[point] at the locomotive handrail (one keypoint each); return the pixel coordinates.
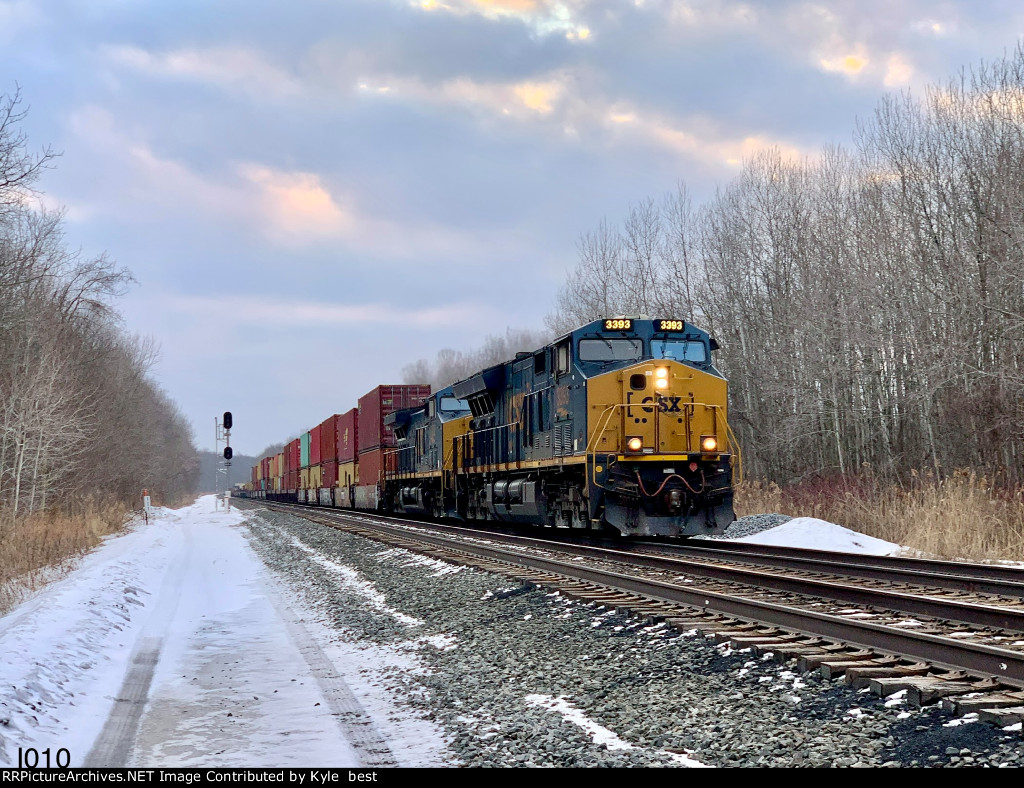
(508, 427)
(606, 415)
(603, 420)
(734, 444)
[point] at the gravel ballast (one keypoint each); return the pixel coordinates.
(521, 676)
(750, 525)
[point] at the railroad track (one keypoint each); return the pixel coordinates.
(837, 613)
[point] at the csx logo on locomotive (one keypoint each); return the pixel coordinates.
(665, 404)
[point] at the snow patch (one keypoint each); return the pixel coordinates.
(814, 534)
(405, 558)
(352, 581)
(598, 733)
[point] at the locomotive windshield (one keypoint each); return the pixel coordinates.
(451, 404)
(611, 349)
(680, 349)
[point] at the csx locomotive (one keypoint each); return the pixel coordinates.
(620, 423)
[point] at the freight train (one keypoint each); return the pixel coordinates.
(620, 424)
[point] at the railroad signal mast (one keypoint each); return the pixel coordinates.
(222, 434)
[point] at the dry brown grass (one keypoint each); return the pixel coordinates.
(35, 549)
(961, 516)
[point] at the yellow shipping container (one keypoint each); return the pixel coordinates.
(304, 478)
(315, 475)
(347, 474)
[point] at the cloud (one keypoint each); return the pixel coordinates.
(538, 96)
(230, 67)
(713, 14)
(290, 208)
(544, 17)
(297, 203)
(523, 100)
(898, 72)
(935, 27)
(702, 140)
(287, 206)
(851, 63)
(17, 16)
(257, 310)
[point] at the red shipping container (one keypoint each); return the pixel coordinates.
(370, 467)
(373, 407)
(314, 445)
(329, 440)
(294, 452)
(328, 473)
(348, 437)
(373, 463)
(254, 479)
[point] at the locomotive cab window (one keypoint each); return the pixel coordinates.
(611, 349)
(562, 356)
(451, 405)
(680, 349)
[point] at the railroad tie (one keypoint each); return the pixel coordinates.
(784, 650)
(859, 677)
(753, 641)
(963, 704)
(807, 662)
(921, 690)
(1009, 715)
(831, 669)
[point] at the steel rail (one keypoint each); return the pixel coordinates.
(989, 661)
(950, 575)
(932, 565)
(932, 607)
(792, 558)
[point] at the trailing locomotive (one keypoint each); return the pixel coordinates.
(621, 423)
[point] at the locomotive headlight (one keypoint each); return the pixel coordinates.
(708, 443)
(661, 383)
(661, 373)
(634, 444)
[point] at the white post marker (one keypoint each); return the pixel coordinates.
(146, 505)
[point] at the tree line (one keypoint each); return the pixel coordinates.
(451, 365)
(79, 417)
(869, 302)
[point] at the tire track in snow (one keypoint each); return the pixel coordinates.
(114, 744)
(356, 725)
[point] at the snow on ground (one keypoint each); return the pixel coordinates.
(814, 534)
(236, 679)
(598, 733)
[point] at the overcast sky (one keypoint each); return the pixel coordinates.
(314, 193)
